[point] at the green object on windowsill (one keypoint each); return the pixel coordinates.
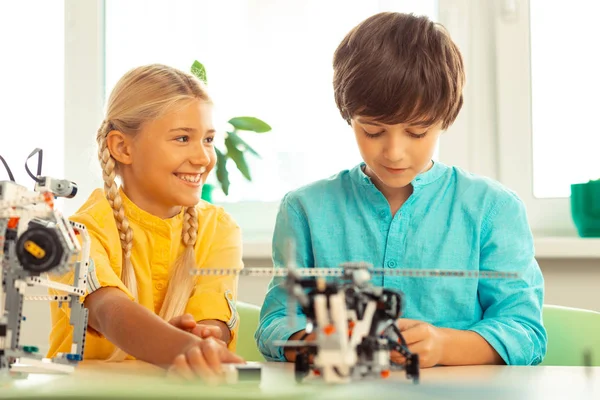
(207, 191)
(585, 208)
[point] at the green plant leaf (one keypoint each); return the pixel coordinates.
(241, 144)
(222, 174)
(238, 158)
(250, 124)
(199, 71)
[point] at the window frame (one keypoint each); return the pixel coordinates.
(547, 216)
(84, 88)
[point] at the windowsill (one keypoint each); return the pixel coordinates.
(546, 247)
(566, 247)
(257, 250)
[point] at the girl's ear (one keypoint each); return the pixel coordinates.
(119, 146)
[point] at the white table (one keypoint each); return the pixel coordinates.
(133, 379)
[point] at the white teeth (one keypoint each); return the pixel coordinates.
(202, 170)
(190, 178)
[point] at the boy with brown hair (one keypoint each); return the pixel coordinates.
(398, 82)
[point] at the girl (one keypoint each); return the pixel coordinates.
(151, 231)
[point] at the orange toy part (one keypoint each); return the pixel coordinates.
(49, 199)
(329, 329)
(13, 222)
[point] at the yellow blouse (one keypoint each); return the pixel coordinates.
(156, 245)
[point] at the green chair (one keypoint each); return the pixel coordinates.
(246, 345)
(572, 333)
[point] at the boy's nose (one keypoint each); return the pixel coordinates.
(395, 150)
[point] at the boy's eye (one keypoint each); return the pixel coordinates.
(183, 139)
(372, 134)
(417, 135)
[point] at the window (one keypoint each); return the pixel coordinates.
(272, 59)
(32, 82)
(547, 92)
(268, 59)
(264, 58)
(564, 95)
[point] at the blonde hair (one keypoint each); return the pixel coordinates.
(143, 94)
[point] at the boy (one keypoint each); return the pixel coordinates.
(398, 82)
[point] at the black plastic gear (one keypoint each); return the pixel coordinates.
(48, 240)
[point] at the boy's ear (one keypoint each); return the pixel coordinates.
(119, 146)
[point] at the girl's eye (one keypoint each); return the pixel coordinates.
(183, 139)
(209, 139)
(417, 135)
(373, 135)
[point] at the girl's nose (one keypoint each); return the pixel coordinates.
(200, 155)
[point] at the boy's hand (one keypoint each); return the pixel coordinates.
(423, 339)
(187, 323)
(290, 353)
(203, 359)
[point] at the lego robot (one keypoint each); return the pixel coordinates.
(36, 240)
(354, 320)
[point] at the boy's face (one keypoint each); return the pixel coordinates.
(171, 158)
(395, 154)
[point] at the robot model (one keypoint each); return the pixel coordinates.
(36, 240)
(354, 320)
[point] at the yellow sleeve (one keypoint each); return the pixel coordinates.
(214, 297)
(106, 255)
(105, 263)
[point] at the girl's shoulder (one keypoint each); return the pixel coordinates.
(95, 211)
(213, 214)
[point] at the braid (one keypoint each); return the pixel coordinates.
(181, 282)
(116, 202)
(190, 226)
(107, 162)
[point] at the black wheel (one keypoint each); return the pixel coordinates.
(39, 249)
(301, 366)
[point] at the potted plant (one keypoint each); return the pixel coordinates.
(235, 147)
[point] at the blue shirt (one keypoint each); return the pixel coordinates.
(453, 220)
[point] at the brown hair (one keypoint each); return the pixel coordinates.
(399, 68)
(141, 95)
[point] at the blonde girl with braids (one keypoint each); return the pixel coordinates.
(152, 230)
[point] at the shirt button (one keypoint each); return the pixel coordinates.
(391, 264)
(159, 286)
(382, 214)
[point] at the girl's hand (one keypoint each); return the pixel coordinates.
(187, 323)
(423, 339)
(203, 359)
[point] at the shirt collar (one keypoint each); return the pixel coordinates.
(436, 171)
(144, 218)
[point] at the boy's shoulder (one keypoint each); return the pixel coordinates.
(328, 189)
(483, 192)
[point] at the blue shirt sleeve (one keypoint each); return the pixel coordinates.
(275, 321)
(512, 308)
